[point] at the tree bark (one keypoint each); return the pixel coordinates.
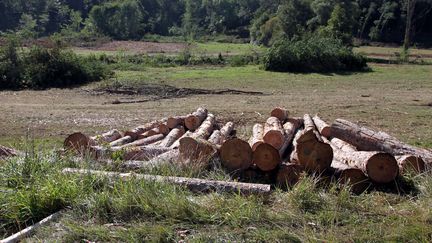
(173, 136)
(193, 184)
(194, 120)
(369, 140)
(236, 154)
(351, 176)
(257, 136)
(280, 113)
(409, 15)
(274, 133)
(122, 141)
(143, 152)
(162, 128)
(266, 157)
(107, 137)
(176, 144)
(290, 129)
(322, 127)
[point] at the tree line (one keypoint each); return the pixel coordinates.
(260, 21)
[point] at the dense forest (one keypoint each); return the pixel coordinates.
(260, 21)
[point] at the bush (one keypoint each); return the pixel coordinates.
(61, 68)
(42, 68)
(313, 54)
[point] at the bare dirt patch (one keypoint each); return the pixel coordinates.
(141, 47)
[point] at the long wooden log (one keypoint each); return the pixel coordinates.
(236, 154)
(176, 144)
(206, 128)
(122, 141)
(369, 140)
(411, 164)
(17, 237)
(352, 176)
(144, 128)
(274, 133)
(290, 129)
(266, 157)
(143, 152)
(196, 152)
(193, 184)
(310, 151)
(280, 113)
(322, 127)
(160, 129)
(257, 136)
(219, 136)
(107, 137)
(176, 121)
(194, 120)
(175, 134)
(167, 158)
(288, 175)
(144, 141)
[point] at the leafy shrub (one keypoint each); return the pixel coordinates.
(11, 65)
(313, 54)
(61, 68)
(44, 68)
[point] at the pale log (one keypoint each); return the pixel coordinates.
(216, 138)
(144, 141)
(219, 136)
(143, 152)
(290, 128)
(193, 184)
(227, 129)
(257, 136)
(266, 157)
(369, 140)
(176, 144)
(107, 137)
(274, 133)
(122, 141)
(167, 158)
(173, 136)
(342, 145)
(162, 128)
(142, 129)
(236, 154)
(280, 113)
(194, 120)
(206, 128)
(176, 121)
(322, 127)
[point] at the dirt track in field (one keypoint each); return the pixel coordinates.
(141, 47)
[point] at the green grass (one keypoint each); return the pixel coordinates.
(134, 210)
(227, 48)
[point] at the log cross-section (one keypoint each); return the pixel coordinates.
(274, 133)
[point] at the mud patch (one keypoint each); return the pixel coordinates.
(155, 92)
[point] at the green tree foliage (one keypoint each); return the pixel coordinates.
(312, 54)
(121, 20)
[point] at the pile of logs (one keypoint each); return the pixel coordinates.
(284, 147)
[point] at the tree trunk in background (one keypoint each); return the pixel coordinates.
(409, 15)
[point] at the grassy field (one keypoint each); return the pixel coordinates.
(393, 98)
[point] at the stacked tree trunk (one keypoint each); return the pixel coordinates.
(281, 149)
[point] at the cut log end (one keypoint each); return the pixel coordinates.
(411, 164)
(275, 138)
(382, 168)
(288, 175)
(280, 113)
(356, 179)
(314, 155)
(78, 142)
(236, 154)
(266, 157)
